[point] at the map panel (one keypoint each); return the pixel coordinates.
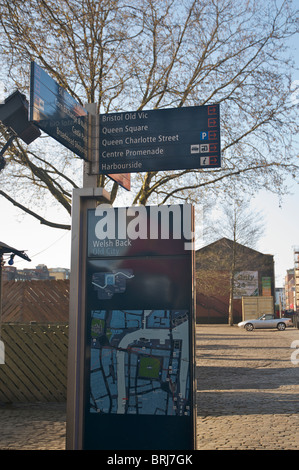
(140, 362)
(108, 284)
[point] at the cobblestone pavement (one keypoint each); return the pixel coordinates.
(248, 389)
(38, 426)
(248, 396)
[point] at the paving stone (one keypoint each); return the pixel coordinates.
(248, 380)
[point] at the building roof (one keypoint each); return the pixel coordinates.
(218, 256)
(224, 243)
(8, 249)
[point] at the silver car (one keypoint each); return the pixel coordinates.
(266, 321)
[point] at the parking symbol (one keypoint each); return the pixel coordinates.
(204, 135)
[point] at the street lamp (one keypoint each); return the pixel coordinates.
(6, 249)
(14, 115)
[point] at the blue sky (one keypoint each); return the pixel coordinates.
(281, 229)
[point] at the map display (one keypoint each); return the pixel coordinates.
(108, 284)
(140, 362)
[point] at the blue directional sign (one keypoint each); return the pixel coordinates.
(57, 113)
(164, 139)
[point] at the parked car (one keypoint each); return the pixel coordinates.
(266, 321)
(289, 314)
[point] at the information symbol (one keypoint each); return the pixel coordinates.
(204, 161)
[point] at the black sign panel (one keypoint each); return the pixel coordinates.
(139, 377)
(55, 112)
(166, 139)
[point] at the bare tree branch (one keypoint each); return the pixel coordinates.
(33, 214)
(126, 56)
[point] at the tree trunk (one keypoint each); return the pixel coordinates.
(232, 277)
(231, 302)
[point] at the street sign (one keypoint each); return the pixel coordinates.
(57, 113)
(164, 139)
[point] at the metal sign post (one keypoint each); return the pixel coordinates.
(83, 199)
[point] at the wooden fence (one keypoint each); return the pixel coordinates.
(40, 301)
(35, 368)
(34, 331)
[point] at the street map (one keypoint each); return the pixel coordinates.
(139, 360)
(108, 284)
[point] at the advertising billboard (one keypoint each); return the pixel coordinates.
(246, 284)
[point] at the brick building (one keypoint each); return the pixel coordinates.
(254, 276)
(289, 285)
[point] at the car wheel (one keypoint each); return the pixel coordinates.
(249, 327)
(281, 326)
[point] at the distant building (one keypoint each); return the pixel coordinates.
(40, 273)
(296, 273)
(279, 299)
(289, 286)
(59, 273)
(254, 276)
(9, 273)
